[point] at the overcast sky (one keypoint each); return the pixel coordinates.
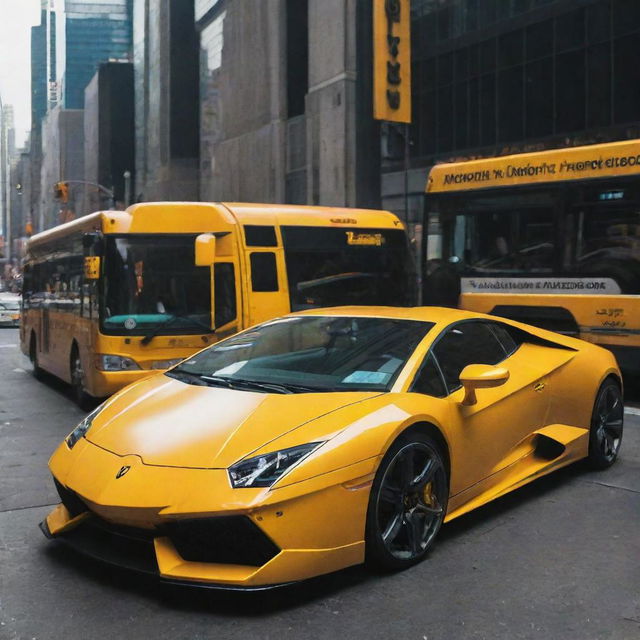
(15, 59)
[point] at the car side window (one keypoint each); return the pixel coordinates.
(463, 344)
(506, 338)
(428, 379)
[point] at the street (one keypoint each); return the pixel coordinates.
(557, 559)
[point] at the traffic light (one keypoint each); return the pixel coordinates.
(61, 191)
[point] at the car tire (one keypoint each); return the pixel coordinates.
(33, 357)
(605, 434)
(407, 503)
(82, 398)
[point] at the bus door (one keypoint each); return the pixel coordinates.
(265, 286)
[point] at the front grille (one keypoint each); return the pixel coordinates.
(121, 546)
(74, 504)
(223, 540)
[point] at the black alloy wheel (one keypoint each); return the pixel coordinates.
(607, 421)
(407, 504)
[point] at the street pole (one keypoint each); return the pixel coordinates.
(127, 188)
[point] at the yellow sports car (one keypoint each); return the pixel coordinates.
(328, 438)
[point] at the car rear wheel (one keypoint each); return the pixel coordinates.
(605, 435)
(407, 503)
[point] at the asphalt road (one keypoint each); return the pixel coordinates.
(557, 559)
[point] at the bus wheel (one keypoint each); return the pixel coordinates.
(83, 399)
(33, 356)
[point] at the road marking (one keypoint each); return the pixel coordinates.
(634, 411)
(8, 346)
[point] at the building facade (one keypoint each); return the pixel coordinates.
(290, 123)
(109, 136)
(63, 142)
(498, 77)
(166, 100)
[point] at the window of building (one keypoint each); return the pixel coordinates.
(297, 56)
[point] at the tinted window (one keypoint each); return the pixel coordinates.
(260, 236)
(464, 344)
(505, 337)
(225, 293)
(264, 276)
(429, 381)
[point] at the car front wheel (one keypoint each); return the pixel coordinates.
(407, 503)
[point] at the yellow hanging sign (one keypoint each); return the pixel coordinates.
(392, 60)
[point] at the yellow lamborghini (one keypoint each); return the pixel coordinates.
(328, 438)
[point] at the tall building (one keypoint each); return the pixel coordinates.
(63, 159)
(166, 56)
(109, 135)
(44, 91)
(7, 151)
(91, 32)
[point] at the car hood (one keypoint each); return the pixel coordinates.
(170, 423)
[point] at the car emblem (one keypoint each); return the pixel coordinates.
(122, 472)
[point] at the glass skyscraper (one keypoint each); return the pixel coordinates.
(93, 31)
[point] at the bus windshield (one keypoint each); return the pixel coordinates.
(151, 282)
(330, 267)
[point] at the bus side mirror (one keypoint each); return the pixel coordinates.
(481, 376)
(205, 250)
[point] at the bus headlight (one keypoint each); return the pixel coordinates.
(106, 362)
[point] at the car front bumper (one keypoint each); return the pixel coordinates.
(190, 526)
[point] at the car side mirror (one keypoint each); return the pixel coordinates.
(205, 250)
(481, 376)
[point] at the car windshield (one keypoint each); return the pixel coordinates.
(9, 305)
(152, 283)
(314, 353)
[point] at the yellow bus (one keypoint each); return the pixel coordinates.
(113, 296)
(549, 238)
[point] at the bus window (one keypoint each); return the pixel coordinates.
(264, 274)
(331, 267)
(505, 242)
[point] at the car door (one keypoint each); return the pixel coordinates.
(488, 433)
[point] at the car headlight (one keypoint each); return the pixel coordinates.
(82, 428)
(264, 470)
(106, 362)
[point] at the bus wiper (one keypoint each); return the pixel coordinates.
(308, 284)
(152, 334)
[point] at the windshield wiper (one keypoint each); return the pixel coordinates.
(152, 334)
(187, 377)
(240, 384)
(338, 277)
